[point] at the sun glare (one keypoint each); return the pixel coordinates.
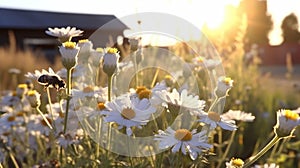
(213, 11)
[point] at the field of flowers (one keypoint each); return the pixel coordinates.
(98, 111)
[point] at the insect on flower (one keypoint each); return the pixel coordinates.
(51, 80)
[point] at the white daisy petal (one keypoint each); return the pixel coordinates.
(227, 125)
(176, 147)
(183, 140)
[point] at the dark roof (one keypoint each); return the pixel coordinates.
(30, 19)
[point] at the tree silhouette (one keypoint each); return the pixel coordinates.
(289, 28)
(259, 22)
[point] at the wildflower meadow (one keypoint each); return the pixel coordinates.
(188, 105)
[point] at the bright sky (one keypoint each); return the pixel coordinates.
(209, 11)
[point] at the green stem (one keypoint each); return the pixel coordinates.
(44, 118)
(137, 74)
(154, 121)
(13, 159)
(61, 154)
(129, 151)
(109, 80)
(154, 78)
(109, 125)
(69, 86)
(50, 106)
(227, 149)
(151, 157)
(262, 152)
(285, 140)
(214, 103)
(98, 138)
(160, 160)
(274, 150)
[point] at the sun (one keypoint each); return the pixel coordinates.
(213, 12)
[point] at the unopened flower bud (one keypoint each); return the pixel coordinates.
(110, 61)
(34, 98)
(134, 44)
(21, 90)
(85, 50)
(223, 86)
(69, 52)
(287, 121)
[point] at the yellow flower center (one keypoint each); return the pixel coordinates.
(168, 77)
(291, 115)
(139, 89)
(146, 93)
(31, 92)
(128, 113)
(214, 116)
(200, 59)
(22, 86)
(20, 113)
(83, 41)
(169, 80)
(227, 80)
(11, 118)
(183, 135)
(237, 162)
(112, 50)
(88, 89)
(99, 49)
(69, 45)
(101, 106)
(43, 122)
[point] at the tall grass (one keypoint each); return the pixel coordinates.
(23, 60)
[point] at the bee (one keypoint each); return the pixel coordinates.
(52, 80)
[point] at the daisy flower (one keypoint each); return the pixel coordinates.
(235, 163)
(37, 73)
(64, 34)
(34, 98)
(184, 140)
(214, 119)
(175, 100)
(110, 61)
(143, 92)
(223, 86)
(69, 52)
(238, 116)
(128, 112)
(21, 90)
(96, 56)
(86, 46)
(47, 78)
(287, 121)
